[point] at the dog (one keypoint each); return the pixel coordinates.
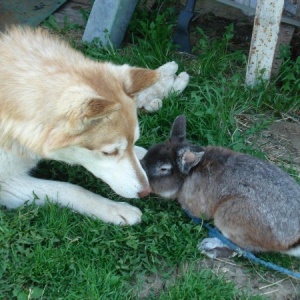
(57, 104)
(253, 203)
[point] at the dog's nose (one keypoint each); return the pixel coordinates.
(144, 193)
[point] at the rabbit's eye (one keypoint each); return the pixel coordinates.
(165, 169)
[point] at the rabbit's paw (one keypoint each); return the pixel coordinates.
(213, 248)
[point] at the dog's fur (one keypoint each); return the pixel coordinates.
(253, 203)
(57, 104)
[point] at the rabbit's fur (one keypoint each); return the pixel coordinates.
(253, 203)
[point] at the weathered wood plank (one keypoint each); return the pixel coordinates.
(264, 39)
(250, 11)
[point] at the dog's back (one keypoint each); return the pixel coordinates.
(41, 69)
(254, 204)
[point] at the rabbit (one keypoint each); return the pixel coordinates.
(253, 203)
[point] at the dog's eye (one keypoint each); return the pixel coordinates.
(111, 153)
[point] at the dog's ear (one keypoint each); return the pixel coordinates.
(92, 109)
(96, 108)
(188, 157)
(140, 79)
(178, 131)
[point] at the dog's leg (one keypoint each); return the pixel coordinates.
(17, 187)
(17, 190)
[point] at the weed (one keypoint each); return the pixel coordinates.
(52, 24)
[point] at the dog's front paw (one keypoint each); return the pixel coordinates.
(151, 98)
(122, 213)
(168, 69)
(213, 248)
(181, 82)
(153, 105)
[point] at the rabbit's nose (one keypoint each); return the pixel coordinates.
(144, 193)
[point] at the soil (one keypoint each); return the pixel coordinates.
(215, 27)
(280, 141)
(268, 285)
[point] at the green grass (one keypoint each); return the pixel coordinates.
(53, 253)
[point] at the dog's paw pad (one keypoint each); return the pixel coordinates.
(213, 248)
(168, 69)
(181, 82)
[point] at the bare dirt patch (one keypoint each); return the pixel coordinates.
(280, 141)
(269, 285)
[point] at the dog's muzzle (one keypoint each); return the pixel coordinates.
(144, 193)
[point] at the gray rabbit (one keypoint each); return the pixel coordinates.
(253, 203)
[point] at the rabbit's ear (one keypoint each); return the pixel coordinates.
(178, 131)
(188, 157)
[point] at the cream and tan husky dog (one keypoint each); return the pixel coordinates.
(57, 104)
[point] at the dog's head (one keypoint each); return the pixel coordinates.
(167, 164)
(98, 127)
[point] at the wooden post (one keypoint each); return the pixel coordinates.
(108, 21)
(264, 39)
